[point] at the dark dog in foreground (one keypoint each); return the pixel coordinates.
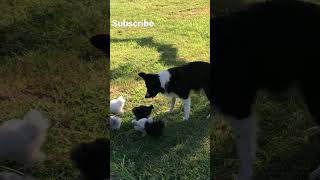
(268, 46)
(92, 159)
(178, 82)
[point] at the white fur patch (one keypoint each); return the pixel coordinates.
(164, 77)
(115, 122)
(116, 105)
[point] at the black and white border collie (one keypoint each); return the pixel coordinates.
(177, 82)
(268, 46)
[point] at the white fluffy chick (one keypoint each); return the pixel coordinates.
(115, 122)
(116, 105)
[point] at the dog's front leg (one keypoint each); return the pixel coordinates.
(245, 130)
(173, 103)
(186, 108)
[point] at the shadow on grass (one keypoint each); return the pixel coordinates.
(168, 53)
(166, 157)
(120, 71)
(44, 28)
(291, 165)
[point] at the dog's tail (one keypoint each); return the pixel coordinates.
(36, 119)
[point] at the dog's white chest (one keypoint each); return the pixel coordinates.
(164, 77)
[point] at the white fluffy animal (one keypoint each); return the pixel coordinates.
(116, 105)
(21, 140)
(139, 125)
(115, 122)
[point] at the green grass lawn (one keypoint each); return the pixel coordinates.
(47, 63)
(180, 35)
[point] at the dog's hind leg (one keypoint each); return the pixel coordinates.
(173, 103)
(245, 130)
(186, 108)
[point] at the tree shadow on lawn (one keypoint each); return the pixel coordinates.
(47, 28)
(168, 153)
(121, 71)
(168, 53)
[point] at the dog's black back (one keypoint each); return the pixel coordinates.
(192, 76)
(268, 46)
(183, 79)
(154, 129)
(92, 159)
(142, 111)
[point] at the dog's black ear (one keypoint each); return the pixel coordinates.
(151, 106)
(142, 74)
